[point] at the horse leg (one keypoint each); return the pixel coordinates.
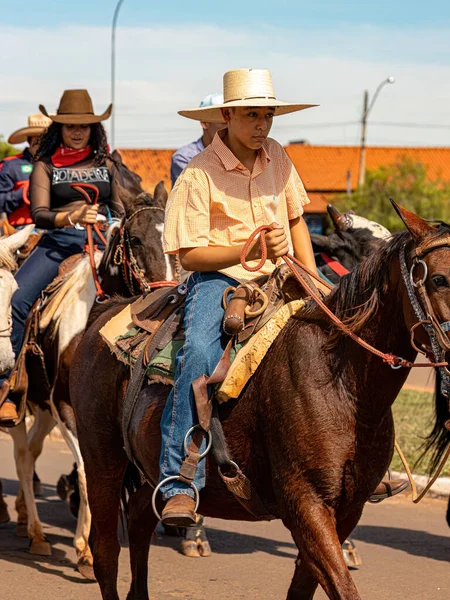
(320, 556)
(4, 514)
(81, 539)
(141, 525)
(104, 481)
(25, 466)
(43, 424)
(195, 542)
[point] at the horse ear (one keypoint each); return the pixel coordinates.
(160, 195)
(127, 200)
(338, 218)
(416, 226)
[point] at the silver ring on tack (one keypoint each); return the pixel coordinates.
(208, 447)
(173, 478)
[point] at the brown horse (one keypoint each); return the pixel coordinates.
(142, 225)
(313, 430)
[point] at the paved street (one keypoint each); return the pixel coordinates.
(405, 551)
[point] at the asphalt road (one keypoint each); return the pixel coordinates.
(405, 551)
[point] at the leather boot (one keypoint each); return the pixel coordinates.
(8, 411)
(179, 511)
(387, 489)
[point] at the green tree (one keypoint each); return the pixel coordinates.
(407, 183)
(6, 149)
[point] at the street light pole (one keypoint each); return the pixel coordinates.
(113, 70)
(367, 108)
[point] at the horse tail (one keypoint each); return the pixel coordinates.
(439, 438)
(131, 483)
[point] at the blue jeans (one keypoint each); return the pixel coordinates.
(202, 350)
(40, 269)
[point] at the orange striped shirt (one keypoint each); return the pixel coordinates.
(216, 201)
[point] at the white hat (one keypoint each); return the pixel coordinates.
(37, 124)
(244, 87)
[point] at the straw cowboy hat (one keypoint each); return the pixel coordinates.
(75, 108)
(244, 87)
(37, 124)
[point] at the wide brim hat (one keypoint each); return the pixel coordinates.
(37, 124)
(244, 87)
(76, 108)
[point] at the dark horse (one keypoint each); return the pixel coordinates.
(313, 430)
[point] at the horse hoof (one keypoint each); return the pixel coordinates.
(4, 515)
(204, 549)
(41, 548)
(22, 530)
(87, 570)
(189, 548)
(351, 555)
(37, 488)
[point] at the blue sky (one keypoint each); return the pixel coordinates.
(172, 54)
(300, 13)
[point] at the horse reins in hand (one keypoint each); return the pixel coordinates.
(391, 359)
(82, 188)
(124, 256)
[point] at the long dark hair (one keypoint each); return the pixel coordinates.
(52, 138)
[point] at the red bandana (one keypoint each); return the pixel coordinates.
(64, 157)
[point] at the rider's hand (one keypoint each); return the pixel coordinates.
(276, 241)
(85, 214)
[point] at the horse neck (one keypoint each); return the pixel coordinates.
(372, 383)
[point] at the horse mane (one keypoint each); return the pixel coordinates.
(359, 295)
(7, 259)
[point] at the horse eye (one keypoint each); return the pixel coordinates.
(135, 241)
(440, 281)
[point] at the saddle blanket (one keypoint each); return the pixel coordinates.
(126, 341)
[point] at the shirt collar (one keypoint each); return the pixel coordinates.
(230, 161)
(27, 155)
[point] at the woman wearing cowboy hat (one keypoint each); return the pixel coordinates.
(73, 150)
(15, 171)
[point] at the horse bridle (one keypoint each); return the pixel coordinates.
(423, 309)
(124, 257)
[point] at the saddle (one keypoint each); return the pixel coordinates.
(44, 316)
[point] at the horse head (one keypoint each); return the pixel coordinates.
(137, 244)
(348, 247)
(349, 221)
(8, 248)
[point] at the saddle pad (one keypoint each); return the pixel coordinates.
(249, 357)
(161, 369)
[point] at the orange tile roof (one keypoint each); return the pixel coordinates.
(324, 168)
(152, 166)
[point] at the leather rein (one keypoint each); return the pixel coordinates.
(396, 362)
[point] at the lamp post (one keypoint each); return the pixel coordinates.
(113, 69)
(367, 108)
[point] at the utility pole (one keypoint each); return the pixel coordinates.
(362, 151)
(113, 71)
(367, 109)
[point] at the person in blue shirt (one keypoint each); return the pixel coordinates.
(15, 172)
(186, 153)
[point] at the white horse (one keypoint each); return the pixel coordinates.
(71, 318)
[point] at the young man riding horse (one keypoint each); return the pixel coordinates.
(73, 150)
(241, 181)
